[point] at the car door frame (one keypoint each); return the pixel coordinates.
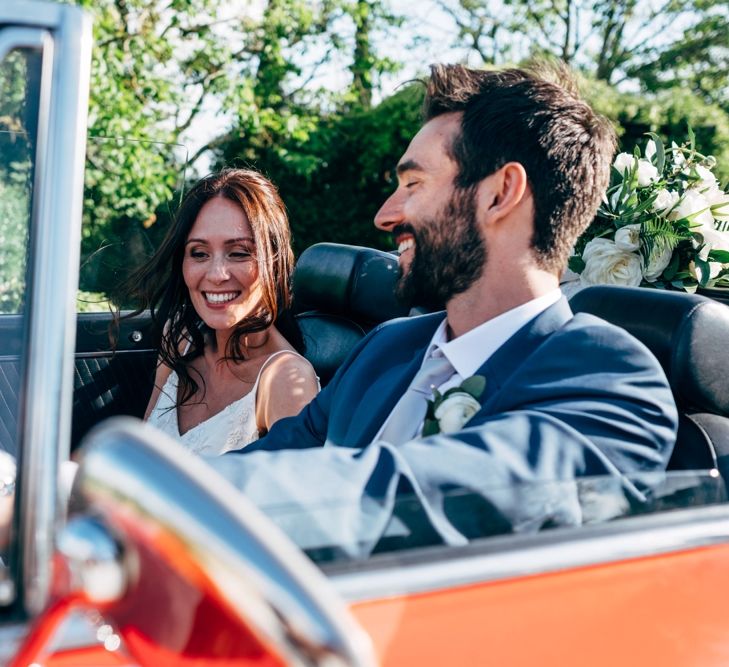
(62, 36)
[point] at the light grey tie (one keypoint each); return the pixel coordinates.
(409, 411)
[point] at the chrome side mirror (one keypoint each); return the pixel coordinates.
(185, 567)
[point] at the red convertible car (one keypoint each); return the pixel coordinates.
(159, 562)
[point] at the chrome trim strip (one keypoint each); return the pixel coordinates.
(32, 13)
(498, 558)
(145, 492)
(54, 265)
(13, 38)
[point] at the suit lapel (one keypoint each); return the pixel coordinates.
(380, 398)
(391, 378)
(502, 363)
(389, 382)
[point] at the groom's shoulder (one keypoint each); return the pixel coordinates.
(411, 332)
(593, 335)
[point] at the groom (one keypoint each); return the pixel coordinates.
(493, 191)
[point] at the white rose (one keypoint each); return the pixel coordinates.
(650, 149)
(628, 237)
(692, 203)
(605, 263)
(657, 264)
(713, 240)
(455, 411)
(665, 201)
(646, 174)
(623, 161)
(719, 202)
(708, 180)
(678, 159)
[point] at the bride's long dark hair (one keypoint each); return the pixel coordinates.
(160, 288)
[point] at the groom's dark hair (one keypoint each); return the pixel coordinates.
(533, 116)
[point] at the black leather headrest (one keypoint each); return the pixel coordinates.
(687, 333)
(328, 340)
(347, 280)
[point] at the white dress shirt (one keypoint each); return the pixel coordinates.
(468, 352)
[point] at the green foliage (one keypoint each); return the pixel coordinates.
(668, 113)
(14, 71)
(149, 70)
(14, 213)
(698, 58)
(369, 17)
(156, 66)
(653, 45)
(334, 182)
(16, 143)
(658, 235)
(660, 222)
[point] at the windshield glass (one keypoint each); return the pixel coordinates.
(19, 86)
(15, 178)
(338, 532)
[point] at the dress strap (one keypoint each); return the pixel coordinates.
(265, 363)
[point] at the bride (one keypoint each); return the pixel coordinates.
(214, 289)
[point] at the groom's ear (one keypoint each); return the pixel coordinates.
(503, 193)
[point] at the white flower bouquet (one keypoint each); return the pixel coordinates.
(664, 222)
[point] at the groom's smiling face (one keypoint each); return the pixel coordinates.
(433, 223)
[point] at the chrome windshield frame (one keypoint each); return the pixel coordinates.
(63, 38)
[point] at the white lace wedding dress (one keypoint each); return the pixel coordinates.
(233, 427)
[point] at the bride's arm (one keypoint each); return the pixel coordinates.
(286, 385)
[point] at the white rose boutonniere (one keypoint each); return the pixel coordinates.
(449, 411)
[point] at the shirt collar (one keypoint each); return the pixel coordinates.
(469, 351)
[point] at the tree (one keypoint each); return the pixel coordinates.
(153, 66)
(19, 73)
(369, 17)
(655, 44)
(669, 113)
(157, 65)
(334, 181)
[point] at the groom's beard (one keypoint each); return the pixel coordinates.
(448, 257)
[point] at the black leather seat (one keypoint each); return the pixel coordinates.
(340, 293)
(688, 334)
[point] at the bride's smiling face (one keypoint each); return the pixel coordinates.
(219, 267)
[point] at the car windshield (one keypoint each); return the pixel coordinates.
(19, 76)
(16, 176)
(335, 532)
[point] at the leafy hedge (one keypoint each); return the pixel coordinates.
(334, 183)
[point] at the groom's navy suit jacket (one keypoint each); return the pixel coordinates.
(566, 397)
